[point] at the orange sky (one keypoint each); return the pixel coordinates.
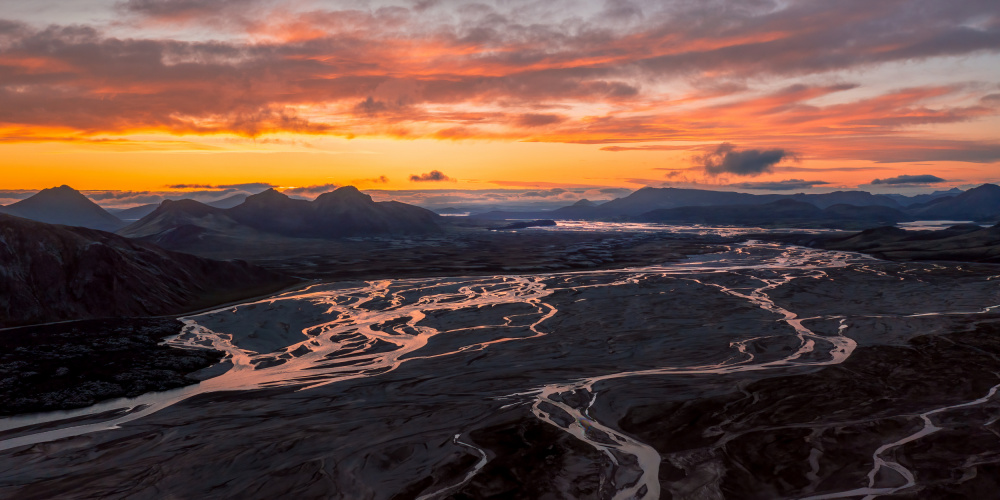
(140, 95)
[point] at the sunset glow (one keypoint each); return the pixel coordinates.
(145, 94)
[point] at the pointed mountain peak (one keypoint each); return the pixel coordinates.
(63, 191)
(64, 205)
(584, 203)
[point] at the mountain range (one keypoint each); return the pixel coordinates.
(705, 206)
(54, 272)
(132, 214)
(340, 213)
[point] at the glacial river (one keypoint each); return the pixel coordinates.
(334, 377)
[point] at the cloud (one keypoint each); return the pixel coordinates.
(310, 191)
(652, 147)
(785, 185)
(544, 194)
(909, 180)
(538, 120)
(373, 180)
(726, 159)
(432, 176)
(249, 186)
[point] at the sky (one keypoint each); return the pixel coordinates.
(532, 99)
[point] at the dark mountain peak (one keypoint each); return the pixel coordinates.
(346, 194)
(64, 205)
(986, 190)
(60, 192)
(269, 196)
(584, 203)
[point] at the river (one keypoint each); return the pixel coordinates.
(369, 389)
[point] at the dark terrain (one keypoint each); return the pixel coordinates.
(961, 243)
(188, 225)
(77, 364)
(54, 273)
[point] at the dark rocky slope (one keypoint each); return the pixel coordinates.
(77, 364)
(962, 242)
(52, 273)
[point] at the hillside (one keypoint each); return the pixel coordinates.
(53, 273)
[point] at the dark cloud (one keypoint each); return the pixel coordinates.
(538, 119)
(909, 180)
(185, 9)
(374, 180)
(432, 176)
(726, 159)
(785, 185)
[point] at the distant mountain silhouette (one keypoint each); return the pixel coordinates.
(134, 213)
(273, 212)
(648, 199)
(182, 223)
(908, 201)
(780, 212)
(54, 273)
(64, 205)
(228, 202)
(343, 212)
(980, 203)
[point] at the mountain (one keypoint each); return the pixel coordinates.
(273, 212)
(856, 198)
(343, 212)
(908, 201)
(64, 205)
(780, 212)
(53, 273)
(183, 223)
(775, 212)
(981, 203)
(134, 213)
(649, 199)
(228, 202)
(348, 212)
(875, 213)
